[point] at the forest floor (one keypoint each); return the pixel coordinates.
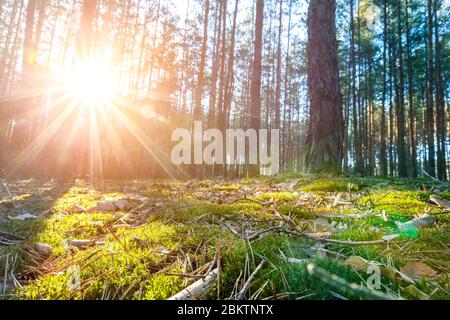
(280, 238)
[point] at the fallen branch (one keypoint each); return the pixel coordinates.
(199, 289)
(430, 176)
(343, 285)
(440, 202)
(306, 236)
(12, 237)
(345, 216)
(424, 221)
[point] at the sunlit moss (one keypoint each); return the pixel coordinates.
(397, 202)
(277, 196)
(227, 188)
(330, 185)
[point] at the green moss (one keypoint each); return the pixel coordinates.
(227, 188)
(397, 202)
(191, 209)
(277, 196)
(330, 185)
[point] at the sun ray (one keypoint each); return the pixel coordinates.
(37, 145)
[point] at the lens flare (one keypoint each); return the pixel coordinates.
(90, 84)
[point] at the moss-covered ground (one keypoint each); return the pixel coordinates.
(171, 232)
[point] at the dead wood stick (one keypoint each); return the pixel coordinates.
(345, 216)
(11, 236)
(240, 295)
(306, 236)
(440, 202)
(430, 176)
(199, 289)
(342, 284)
(424, 221)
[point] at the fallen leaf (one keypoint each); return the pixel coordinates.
(322, 222)
(419, 270)
(123, 205)
(415, 292)
(138, 198)
(289, 185)
(79, 243)
(78, 208)
(44, 249)
(357, 263)
(320, 235)
(108, 206)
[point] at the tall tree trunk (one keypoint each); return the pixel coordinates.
(286, 91)
(359, 166)
(325, 130)
(279, 62)
(383, 159)
(431, 162)
(402, 165)
(201, 71)
(85, 36)
(29, 56)
(412, 114)
(441, 130)
(255, 104)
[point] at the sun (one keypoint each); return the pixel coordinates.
(91, 84)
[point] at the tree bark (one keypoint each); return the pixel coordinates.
(255, 104)
(326, 126)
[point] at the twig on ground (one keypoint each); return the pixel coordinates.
(240, 295)
(199, 289)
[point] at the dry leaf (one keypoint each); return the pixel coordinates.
(321, 235)
(419, 270)
(104, 207)
(123, 205)
(288, 185)
(322, 222)
(138, 198)
(44, 249)
(357, 263)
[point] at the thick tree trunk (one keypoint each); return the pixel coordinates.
(324, 140)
